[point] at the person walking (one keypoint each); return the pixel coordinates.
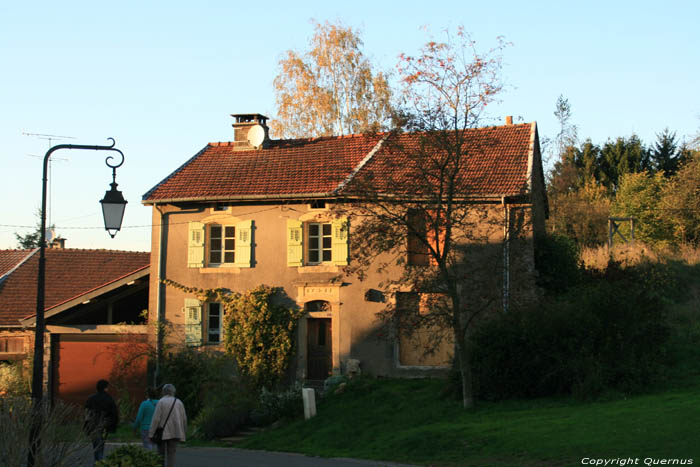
(101, 417)
(171, 417)
(144, 417)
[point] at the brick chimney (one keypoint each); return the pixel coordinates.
(59, 243)
(509, 120)
(250, 131)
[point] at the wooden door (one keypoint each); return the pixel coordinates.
(319, 348)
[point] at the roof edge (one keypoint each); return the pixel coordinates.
(57, 308)
(150, 192)
(239, 198)
(359, 166)
(531, 155)
(16, 266)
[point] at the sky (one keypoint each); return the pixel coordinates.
(162, 79)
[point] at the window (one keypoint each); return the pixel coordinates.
(424, 226)
(222, 244)
(11, 344)
(417, 250)
(225, 244)
(314, 243)
(320, 243)
(193, 322)
(214, 320)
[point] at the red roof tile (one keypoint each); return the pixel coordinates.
(69, 274)
(494, 162)
(285, 167)
(498, 165)
(9, 259)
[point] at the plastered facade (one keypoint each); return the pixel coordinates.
(353, 316)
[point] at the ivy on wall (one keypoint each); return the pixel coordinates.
(259, 328)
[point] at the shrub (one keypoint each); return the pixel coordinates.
(219, 421)
(62, 439)
(198, 376)
(131, 456)
(285, 404)
(259, 331)
(14, 379)
(226, 411)
(609, 334)
(557, 262)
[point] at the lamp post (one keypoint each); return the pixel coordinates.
(113, 205)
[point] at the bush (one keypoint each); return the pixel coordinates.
(131, 456)
(557, 262)
(286, 404)
(219, 421)
(62, 439)
(225, 412)
(198, 376)
(609, 334)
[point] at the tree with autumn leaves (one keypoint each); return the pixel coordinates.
(443, 285)
(330, 90)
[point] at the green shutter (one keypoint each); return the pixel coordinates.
(193, 322)
(244, 233)
(295, 250)
(340, 241)
(195, 246)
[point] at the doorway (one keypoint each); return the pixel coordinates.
(319, 348)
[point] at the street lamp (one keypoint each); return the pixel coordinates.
(113, 205)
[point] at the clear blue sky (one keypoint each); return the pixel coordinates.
(163, 77)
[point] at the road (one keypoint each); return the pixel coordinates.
(232, 457)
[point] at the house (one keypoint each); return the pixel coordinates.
(95, 302)
(257, 210)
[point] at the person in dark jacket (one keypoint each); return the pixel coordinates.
(101, 417)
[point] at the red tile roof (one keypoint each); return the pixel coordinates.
(69, 274)
(10, 259)
(285, 167)
(494, 162)
(499, 164)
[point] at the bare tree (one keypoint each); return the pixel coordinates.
(413, 213)
(331, 89)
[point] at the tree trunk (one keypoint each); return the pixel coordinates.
(465, 370)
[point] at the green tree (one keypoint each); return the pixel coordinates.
(31, 239)
(332, 89)
(680, 201)
(665, 154)
(639, 196)
(622, 156)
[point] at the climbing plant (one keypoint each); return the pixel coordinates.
(259, 328)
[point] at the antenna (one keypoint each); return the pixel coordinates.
(49, 138)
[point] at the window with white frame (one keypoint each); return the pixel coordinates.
(320, 243)
(317, 243)
(222, 244)
(214, 322)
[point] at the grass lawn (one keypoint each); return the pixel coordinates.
(404, 421)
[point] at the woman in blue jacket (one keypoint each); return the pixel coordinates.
(144, 417)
